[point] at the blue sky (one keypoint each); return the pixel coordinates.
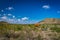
(28, 11)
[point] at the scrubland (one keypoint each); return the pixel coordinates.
(29, 31)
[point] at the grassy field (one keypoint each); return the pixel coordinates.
(29, 31)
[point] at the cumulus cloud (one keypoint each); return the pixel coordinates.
(9, 8)
(14, 20)
(46, 6)
(25, 18)
(13, 16)
(18, 19)
(4, 17)
(11, 21)
(9, 14)
(4, 14)
(2, 10)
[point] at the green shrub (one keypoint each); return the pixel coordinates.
(55, 29)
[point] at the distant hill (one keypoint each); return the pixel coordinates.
(3, 22)
(50, 21)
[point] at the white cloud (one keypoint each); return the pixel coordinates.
(13, 16)
(9, 8)
(46, 6)
(18, 19)
(4, 14)
(11, 20)
(9, 14)
(25, 18)
(4, 17)
(2, 10)
(14, 20)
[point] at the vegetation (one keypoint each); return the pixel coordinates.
(29, 31)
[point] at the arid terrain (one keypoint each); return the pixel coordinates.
(48, 29)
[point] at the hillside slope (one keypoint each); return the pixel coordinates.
(50, 21)
(29, 31)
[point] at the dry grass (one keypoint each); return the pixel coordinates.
(29, 32)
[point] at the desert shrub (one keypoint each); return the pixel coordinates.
(55, 29)
(12, 34)
(44, 28)
(37, 25)
(39, 37)
(18, 28)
